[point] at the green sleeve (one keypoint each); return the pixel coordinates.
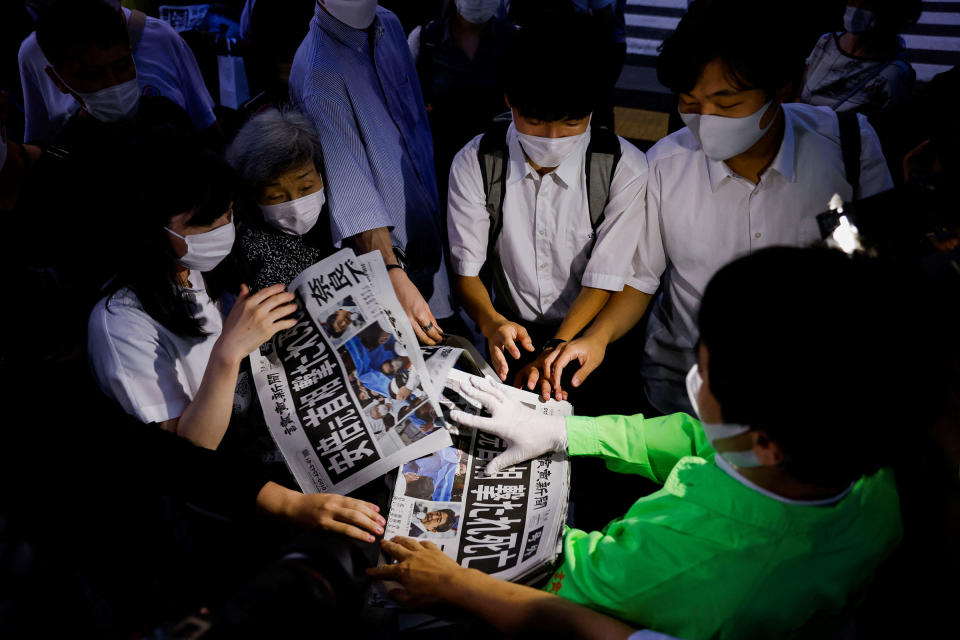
(649, 447)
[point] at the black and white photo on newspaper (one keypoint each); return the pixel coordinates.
(507, 524)
(346, 393)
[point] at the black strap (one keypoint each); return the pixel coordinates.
(603, 155)
(850, 148)
(431, 35)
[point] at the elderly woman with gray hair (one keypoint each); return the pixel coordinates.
(277, 155)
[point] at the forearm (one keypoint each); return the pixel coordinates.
(622, 311)
(475, 298)
(205, 420)
(374, 240)
(588, 304)
(516, 609)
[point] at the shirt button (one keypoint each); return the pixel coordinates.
(757, 235)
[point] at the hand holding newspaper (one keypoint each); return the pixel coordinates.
(527, 433)
(504, 519)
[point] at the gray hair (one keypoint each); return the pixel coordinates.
(271, 143)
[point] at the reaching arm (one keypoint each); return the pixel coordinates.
(410, 298)
(429, 576)
(252, 321)
(622, 311)
(503, 336)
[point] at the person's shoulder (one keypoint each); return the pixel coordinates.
(30, 51)
(679, 144)
(388, 19)
(809, 118)
(158, 33)
(468, 153)
(631, 155)
(116, 311)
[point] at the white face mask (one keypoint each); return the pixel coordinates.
(295, 217)
(208, 249)
(547, 153)
(115, 103)
(715, 431)
(723, 138)
(477, 11)
(358, 14)
(856, 20)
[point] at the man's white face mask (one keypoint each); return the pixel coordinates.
(295, 217)
(112, 104)
(716, 431)
(723, 138)
(358, 14)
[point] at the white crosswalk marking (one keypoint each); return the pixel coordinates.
(933, 44)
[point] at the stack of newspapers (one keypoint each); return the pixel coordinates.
(349, 396)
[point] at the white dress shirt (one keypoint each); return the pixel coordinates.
(546, 235)
(165, 67)
(152, 372)
(700, 216)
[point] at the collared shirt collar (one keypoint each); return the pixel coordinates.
(783, 163)
(347, 35)
(568, 172)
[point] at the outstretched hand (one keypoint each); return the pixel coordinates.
(422, 568)
(587, 351)
(527, 433)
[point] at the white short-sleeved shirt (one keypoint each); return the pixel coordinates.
(152, 372)
(547, 233)
(700, 216)
(165, 67)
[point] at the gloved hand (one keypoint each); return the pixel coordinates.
(527, 433)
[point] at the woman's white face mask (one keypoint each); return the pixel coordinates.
(723, 138)
(208, 249)
(295, 217)
(477, 11)
(716, 431)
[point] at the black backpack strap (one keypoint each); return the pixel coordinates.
(431, 35)
(603, 155)
(850, 148)
(493, 156)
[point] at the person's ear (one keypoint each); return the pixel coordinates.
(506, 101)
(768, 452)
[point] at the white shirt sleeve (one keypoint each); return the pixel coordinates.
(650, 260)
(468, 222)
(413, 41)
(610, 260)
(130, 363)
(874, 173)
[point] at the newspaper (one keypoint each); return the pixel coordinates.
(346, 393)
(508, 524)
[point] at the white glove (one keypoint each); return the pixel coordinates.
(527, 433)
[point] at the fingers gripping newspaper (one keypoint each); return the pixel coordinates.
(346, 393)
(508, 524)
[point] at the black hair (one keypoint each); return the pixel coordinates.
(759, 42)
(893, 16)
(421, 488)
(809, 346)
(552, 68)
(448, 524)
(329, 324)
(69, 24)
(171, 173)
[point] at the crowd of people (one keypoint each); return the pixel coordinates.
(763, 381)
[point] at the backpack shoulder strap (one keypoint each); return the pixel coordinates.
(135, 25)
(493, 156)
(603, 155)
(431, 34)
(850, 148)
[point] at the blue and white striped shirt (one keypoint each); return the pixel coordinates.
(360, 88)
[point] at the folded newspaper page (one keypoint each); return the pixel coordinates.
(508, 524)
(346, 393)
